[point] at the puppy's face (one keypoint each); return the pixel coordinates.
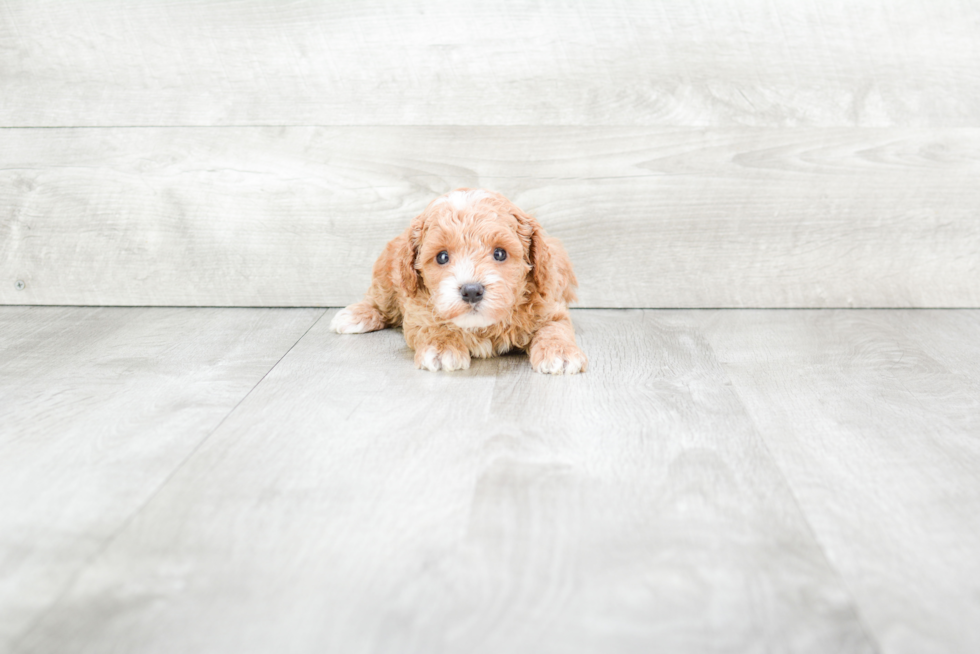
(472, 257)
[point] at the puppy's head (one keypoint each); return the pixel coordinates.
(475, 255)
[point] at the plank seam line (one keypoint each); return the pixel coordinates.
(868, 632)
(574, 308)
(528, 125)
(132, 516)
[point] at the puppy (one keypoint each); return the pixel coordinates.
(473, 276)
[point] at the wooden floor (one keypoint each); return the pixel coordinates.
(244, 480)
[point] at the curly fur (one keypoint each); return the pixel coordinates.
(527, 295)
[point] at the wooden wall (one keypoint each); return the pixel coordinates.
(740, 153)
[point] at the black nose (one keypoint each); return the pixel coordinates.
(472, 293)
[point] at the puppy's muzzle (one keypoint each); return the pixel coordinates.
(471, 293)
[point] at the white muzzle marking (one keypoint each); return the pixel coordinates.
(449, 300)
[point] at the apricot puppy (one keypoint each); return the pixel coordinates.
(473, 276)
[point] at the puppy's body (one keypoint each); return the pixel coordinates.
(473, 276)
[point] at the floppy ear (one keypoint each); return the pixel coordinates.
(537, 253)
(551, 269)
(407, 256)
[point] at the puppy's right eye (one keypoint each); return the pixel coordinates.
(442, 258)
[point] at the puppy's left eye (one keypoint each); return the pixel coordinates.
(499, 254)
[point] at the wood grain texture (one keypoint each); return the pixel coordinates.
(875, 419)
(651, 217)
(354, 504)
(706, 62)
(99, 407)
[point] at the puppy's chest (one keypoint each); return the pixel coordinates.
(484, 343)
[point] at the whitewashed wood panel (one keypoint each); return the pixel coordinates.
(98, 407)
(880, 440)
(702, 62)
(651, 217)
(354, 504)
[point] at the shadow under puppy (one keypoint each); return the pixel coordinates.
(473, 276)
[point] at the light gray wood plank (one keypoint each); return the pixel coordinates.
(951, 338)
(99, 407)
(705, 62)
(354, 504)
(651, 217)
(880, 441)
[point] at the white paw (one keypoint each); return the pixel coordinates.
(562, 364)
(345, 323)
(434, 360)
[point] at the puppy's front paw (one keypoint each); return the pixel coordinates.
(357, 319)
(432, 358)
(558, 359)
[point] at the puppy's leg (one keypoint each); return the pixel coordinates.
(438, 351)
(358, 319)
(553, 350)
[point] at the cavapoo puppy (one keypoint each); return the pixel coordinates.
(473, 276)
